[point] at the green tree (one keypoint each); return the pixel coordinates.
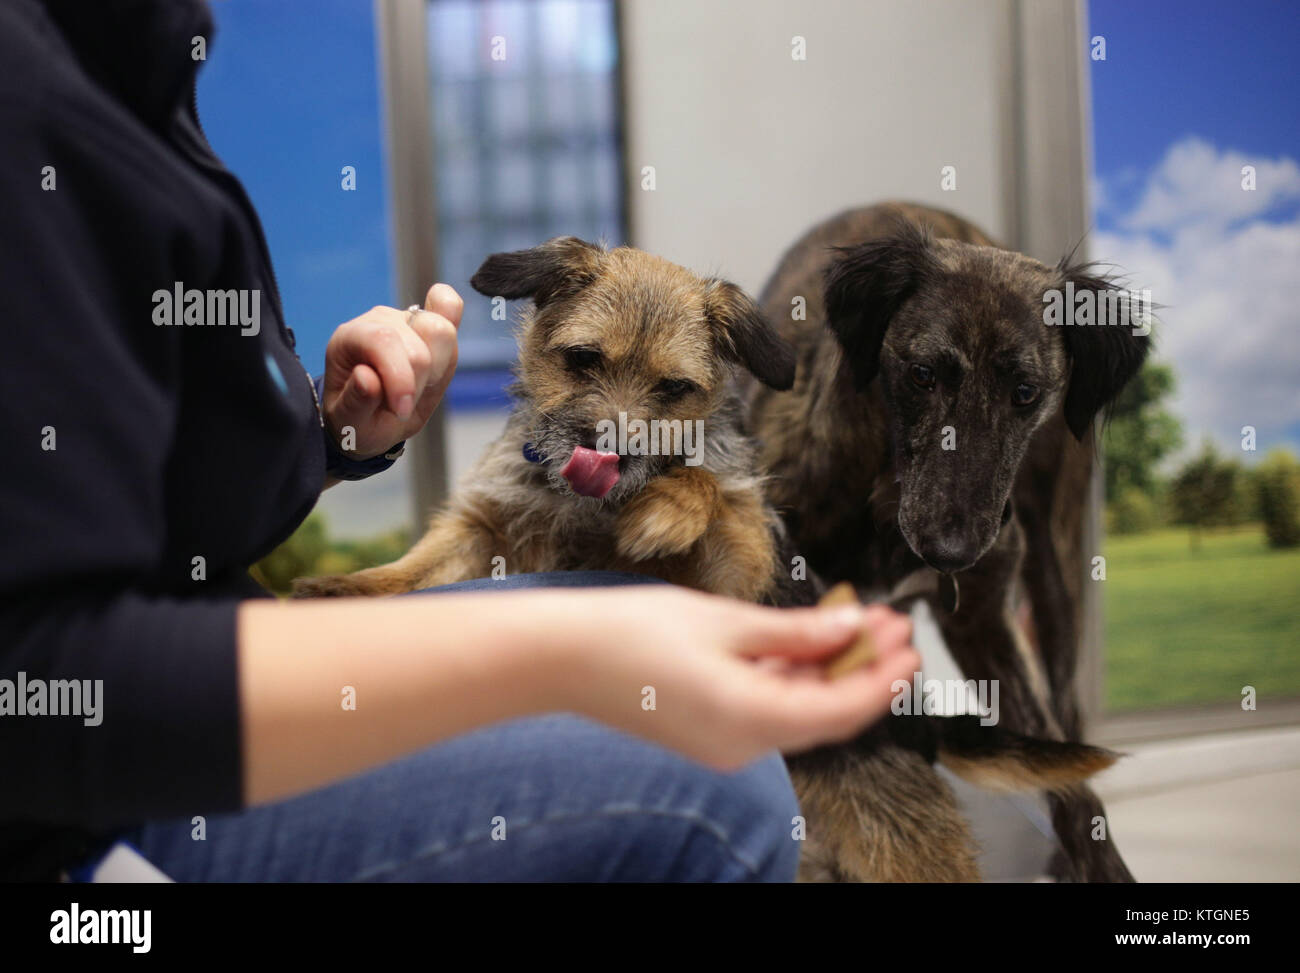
(1140, 432)
(1132, 512)
(295, 558)
(372, 551)
(310, 551)
(1206, 492)
(1277, 490)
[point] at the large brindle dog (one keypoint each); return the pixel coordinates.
(939, 440)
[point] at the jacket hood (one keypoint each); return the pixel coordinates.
(140, 50)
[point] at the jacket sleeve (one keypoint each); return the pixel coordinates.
(89, 395)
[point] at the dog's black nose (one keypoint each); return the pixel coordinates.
(948, 555)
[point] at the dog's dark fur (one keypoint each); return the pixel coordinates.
(876, 810)
(869, 494)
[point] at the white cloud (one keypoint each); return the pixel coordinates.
(1231, 325)
(1195, 184)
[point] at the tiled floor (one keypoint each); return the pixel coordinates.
(1222, 808)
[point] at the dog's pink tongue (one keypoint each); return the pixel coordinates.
(590, 473)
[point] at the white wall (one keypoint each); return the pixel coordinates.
(751, 147)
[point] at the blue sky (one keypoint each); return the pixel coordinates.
(287, 101)
(1229, 70)
(1188, 95)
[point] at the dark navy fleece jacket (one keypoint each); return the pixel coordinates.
(129, 448)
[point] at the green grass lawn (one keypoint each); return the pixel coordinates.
(1195, 626)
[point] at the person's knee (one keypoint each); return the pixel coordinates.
(767, 811)
(736, 827)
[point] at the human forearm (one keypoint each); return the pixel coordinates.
(427, 668)
(420, 670)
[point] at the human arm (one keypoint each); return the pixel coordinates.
(730, 680)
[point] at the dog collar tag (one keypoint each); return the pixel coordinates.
(531, 454)
(949, 593)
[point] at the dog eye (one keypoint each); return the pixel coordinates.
(1025, 394)
(581, 359)
(675, 388)
(922, 376)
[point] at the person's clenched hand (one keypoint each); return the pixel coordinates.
(387, 370)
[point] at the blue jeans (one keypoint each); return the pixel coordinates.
(555, 798)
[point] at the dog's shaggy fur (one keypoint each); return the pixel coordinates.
(617, 331)
(922, 334)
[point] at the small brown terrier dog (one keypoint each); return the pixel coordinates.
(616, 339)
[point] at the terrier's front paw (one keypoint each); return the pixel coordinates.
(667, 518)
(326, 586)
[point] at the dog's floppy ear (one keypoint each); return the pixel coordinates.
(865, 285)
(746, 336)
(1103, 356)
(558, 268)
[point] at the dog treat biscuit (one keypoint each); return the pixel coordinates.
(863, 651)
